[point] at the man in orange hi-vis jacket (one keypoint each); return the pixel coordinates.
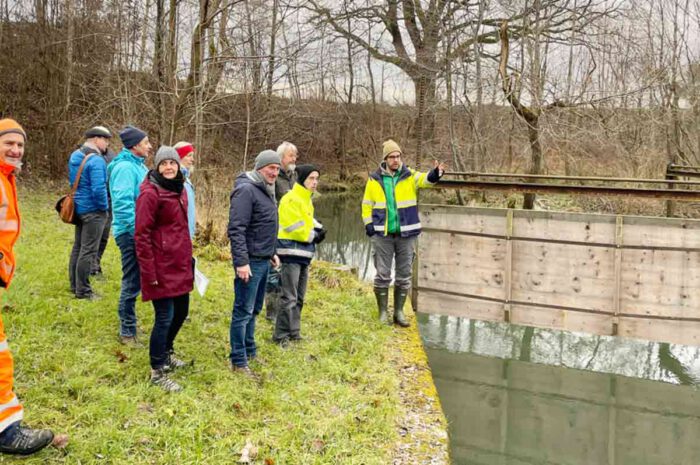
(14, 438)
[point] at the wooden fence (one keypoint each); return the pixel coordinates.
(631, 276)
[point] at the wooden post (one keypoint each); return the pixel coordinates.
(414, 280)
(507, 280)
(618, 273)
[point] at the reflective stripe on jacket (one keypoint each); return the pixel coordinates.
(10, 408)
(375, 209)
(296, 226)
(9, 223)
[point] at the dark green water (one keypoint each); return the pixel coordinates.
(516, 395)
(346, 241)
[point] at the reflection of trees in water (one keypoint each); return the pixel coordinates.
(629, 357)
(346, 241)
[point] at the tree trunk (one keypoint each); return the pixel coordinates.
(533, 134)
(425, 90)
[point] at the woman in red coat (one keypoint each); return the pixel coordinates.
(164, 253)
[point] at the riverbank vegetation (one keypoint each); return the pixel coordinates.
(353, 392)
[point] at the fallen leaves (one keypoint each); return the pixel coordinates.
(60, 441)
(248, 453)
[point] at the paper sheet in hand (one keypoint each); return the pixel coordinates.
(201, 282)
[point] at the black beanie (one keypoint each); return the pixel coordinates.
(303, 172)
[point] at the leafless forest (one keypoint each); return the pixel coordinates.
(542, 86)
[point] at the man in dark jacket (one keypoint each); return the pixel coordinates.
(284, 183)
(252, 230)
(91, 207)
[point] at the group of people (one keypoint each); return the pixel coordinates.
(151, 214)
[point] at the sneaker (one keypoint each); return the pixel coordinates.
(245, 371)
(160, 378)
(173, 363)
(20, 440)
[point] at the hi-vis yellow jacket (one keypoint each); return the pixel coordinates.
(296, 226)
(375, 209)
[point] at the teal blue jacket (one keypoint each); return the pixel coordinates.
(126, 172)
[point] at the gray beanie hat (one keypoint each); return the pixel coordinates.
(267, 157)
(165, 152)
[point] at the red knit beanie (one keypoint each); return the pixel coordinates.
(183, 149)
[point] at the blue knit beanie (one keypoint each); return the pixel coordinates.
(131, 136)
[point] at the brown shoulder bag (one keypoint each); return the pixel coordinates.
(65, 206)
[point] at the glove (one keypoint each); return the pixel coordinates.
(369, 230)
(320, 235)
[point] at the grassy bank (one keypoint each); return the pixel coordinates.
(354, 392)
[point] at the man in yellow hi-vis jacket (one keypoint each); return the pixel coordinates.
(14, 438)
(390, 214)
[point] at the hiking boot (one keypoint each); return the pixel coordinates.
(245, 371)
(130, 341)
(173, 363)
(382, 296)
(400, 296)
(20, 440)
(159, 377)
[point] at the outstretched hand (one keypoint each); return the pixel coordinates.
(441, 167)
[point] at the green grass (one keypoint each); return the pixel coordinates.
(326, 401)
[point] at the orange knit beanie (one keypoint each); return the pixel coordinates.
(9, 125)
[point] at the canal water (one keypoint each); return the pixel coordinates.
(517, 395)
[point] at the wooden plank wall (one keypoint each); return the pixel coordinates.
(604, 274)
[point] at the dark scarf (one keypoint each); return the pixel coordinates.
(174, 185)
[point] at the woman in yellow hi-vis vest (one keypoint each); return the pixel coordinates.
(14, 438)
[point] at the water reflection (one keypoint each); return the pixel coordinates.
(346, 241)
(517, 395)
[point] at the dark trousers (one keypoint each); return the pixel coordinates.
(170, 313)
(288, 323)
(131, 284)
(247, 304)
(97, 263)
(88, 232)
(273, 294)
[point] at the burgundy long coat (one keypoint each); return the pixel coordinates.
(163, 244)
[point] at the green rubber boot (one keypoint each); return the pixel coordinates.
(382, 296)
(400, 296)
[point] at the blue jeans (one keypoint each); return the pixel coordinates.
(131, 284)
(170, 313)
(247, 304)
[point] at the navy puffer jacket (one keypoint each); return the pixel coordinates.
(253, 222)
